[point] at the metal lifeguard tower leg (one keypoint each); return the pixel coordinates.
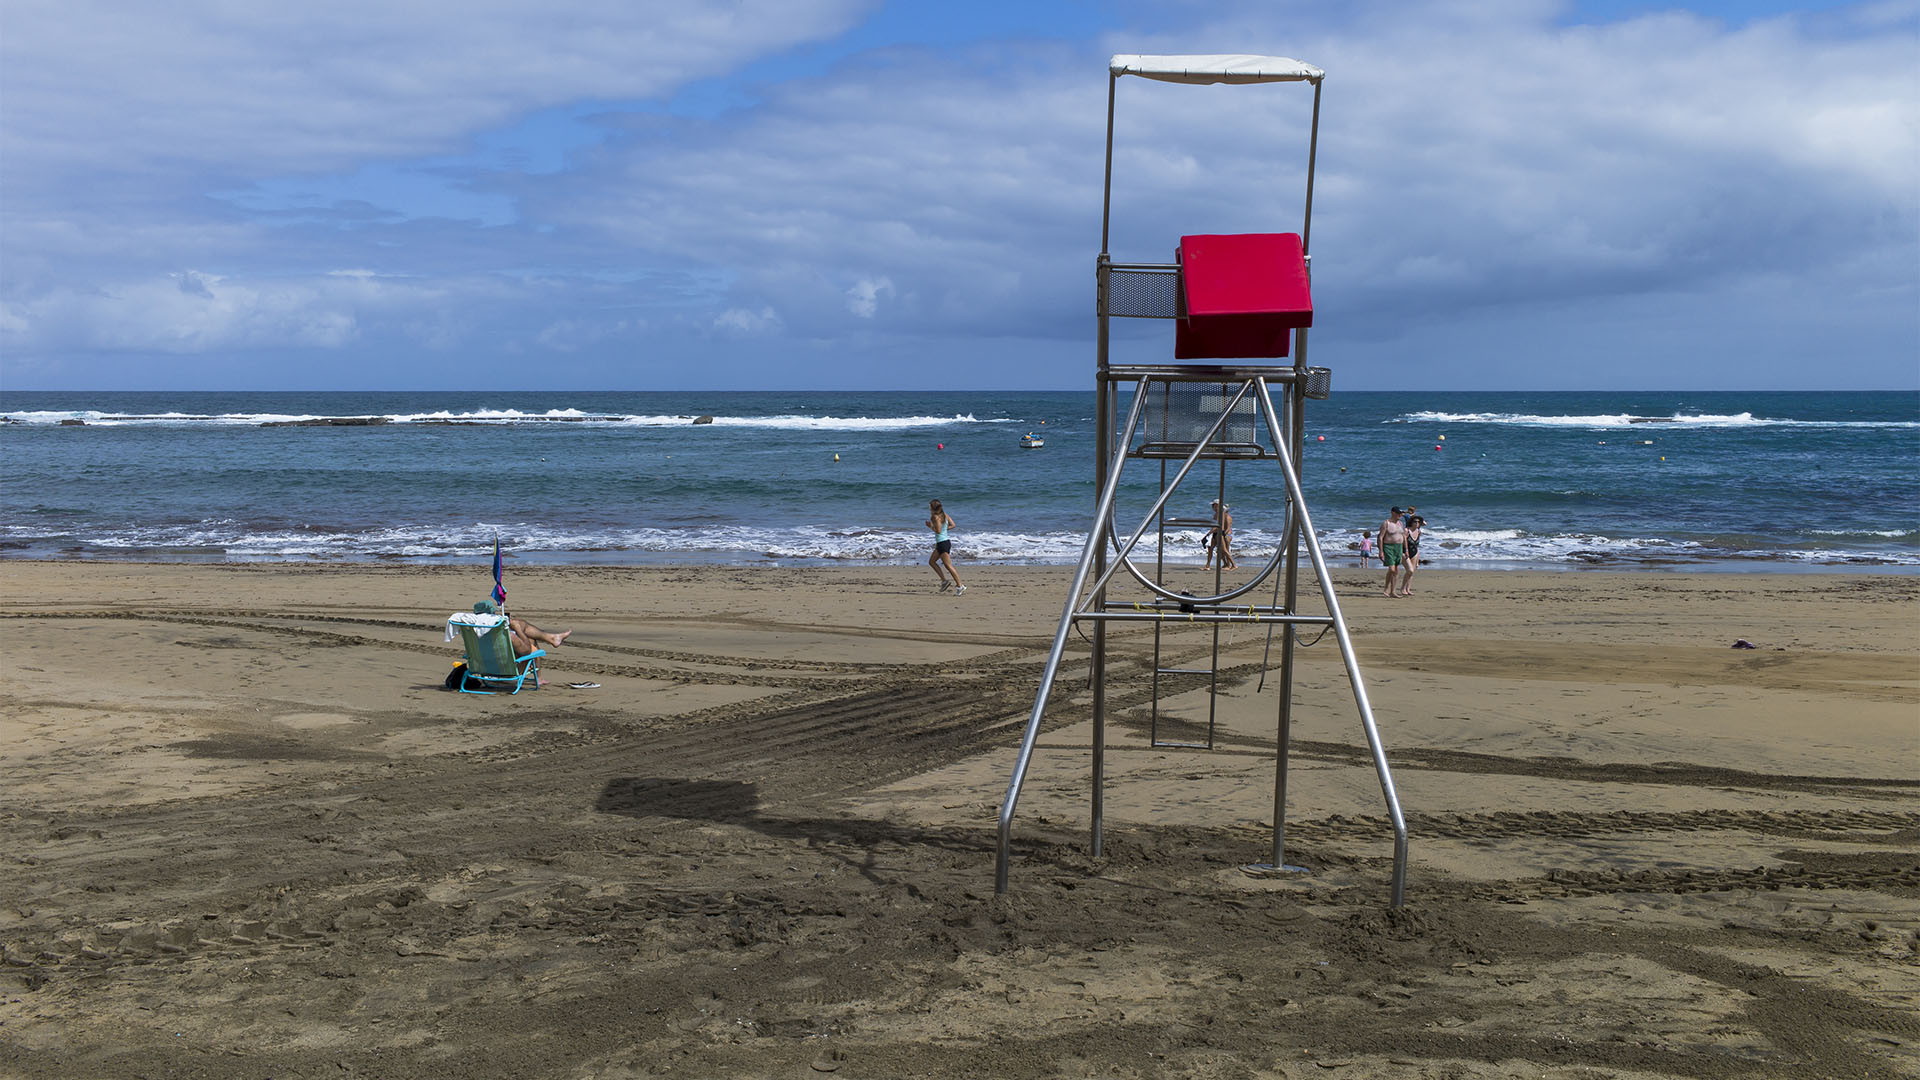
(1380, 767)
(1094, 551)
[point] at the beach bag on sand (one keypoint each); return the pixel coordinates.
(456, 676)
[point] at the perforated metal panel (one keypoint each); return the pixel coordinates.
(1177, 416)
(1143, 294)
(1318, 384)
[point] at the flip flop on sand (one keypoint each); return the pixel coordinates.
(584, 685)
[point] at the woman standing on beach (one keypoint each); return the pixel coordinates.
(942, 523)
(1223, 535)
(1415, 525)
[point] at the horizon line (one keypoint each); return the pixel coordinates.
(908, 390)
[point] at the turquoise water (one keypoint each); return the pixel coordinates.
(1720, 480)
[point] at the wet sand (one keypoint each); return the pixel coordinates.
(247, 834)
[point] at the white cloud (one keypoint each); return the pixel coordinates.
(1490, 161)
(187, 312)
(740, 321)
(247, 89)
(190, 311)
(863, 299)
(1475, 157)
(573, 335)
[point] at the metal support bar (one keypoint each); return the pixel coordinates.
(1283, 733)
(1094, 540)
(1198, 373)
(1169, 605)
(1097, 658)
(1103, 419)
(1380, 766)
(1313, 155)
(1199, 620)
(1106, 199)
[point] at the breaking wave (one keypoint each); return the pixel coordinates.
(791, 421)
(1628, 420)
(740, 544)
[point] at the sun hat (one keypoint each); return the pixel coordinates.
(486, 607)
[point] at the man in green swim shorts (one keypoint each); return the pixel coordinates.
(1393, 548)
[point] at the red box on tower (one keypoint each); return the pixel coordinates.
(1245, 294)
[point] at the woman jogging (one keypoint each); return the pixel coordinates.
(942, 524)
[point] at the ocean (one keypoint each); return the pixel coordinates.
(1699, 481)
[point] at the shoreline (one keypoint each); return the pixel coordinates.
(689, 560)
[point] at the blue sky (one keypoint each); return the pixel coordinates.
(596, 194)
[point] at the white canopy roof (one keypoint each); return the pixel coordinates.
(1223, 68)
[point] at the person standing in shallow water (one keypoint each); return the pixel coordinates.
(941, 560)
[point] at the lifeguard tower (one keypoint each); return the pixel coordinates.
(1240, 303)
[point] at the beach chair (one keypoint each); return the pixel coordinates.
(491, 665)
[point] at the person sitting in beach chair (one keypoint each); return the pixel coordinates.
(524, 633)
(501, 649)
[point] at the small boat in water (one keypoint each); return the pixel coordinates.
(1031, 441)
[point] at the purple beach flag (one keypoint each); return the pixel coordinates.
(499, 587)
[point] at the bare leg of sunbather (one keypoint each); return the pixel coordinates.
(531, 636)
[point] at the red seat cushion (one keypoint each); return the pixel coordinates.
(1245, 292)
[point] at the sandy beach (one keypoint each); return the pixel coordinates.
(248, 834)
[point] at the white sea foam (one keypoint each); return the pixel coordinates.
(1905, 534)
(791, 421)
(1629, 420)
(820, 543)
(1829, 557)
(95, 418)
(1507, 546)
(498, 416)
(819, 423)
